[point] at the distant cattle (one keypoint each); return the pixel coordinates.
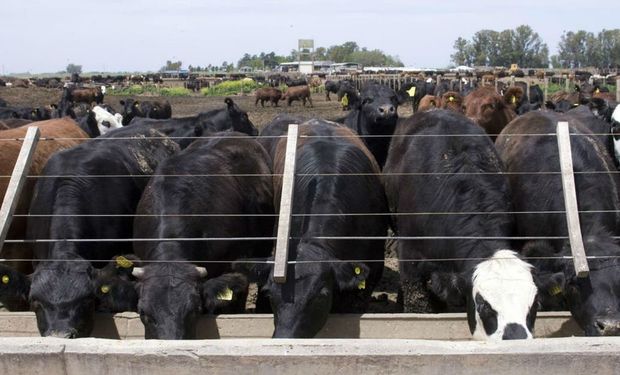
(533, 166)
(269, 94)
(173, 293)
(86, 95)
(294, 93)
(488, 109)
(62, 293)
(61, 134)
(327, 275)
(185, 130)
(331, 87)
(486, 278)
(145, 108)
(375, 117)
(291, 82)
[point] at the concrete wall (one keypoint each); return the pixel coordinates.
(367, 326)
(564, 356)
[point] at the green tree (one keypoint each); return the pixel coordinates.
(463, 54)
(171, 66)
(72, 68)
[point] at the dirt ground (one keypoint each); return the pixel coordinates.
(384, 297)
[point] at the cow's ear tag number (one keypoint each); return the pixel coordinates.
(361, 285)
(555, 290)
(225, 295)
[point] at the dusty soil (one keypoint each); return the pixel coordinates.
(385, 295)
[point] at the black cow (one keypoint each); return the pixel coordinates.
(593, 301)
(375, 116)
(175, 292)
(145, 108)
(3, 103)
(325, 278)
(271, 134)
(468, 199)
(331, 87)
(62, 293)
(204, 123)
(601, 129)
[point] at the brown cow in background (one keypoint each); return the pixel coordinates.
(297, 93)
(488, 109)
(58, 130)
(269, 94)
(453, 101)
(429, 102)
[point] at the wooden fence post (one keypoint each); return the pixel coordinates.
(286, 203)
(570, 201)
(618, 90)
(18, 178)
(546, 93)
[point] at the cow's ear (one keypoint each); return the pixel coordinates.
(257, 270)
(350, 276)
(225, 290)
(449, 287)
(551, 285)
(14, 289)
(122, 102)
(229, 102)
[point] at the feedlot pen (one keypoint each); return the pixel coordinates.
(348, 344)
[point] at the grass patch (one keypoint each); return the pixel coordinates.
(231, 88)
(136, 90)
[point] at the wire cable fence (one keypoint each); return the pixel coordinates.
(306, 215)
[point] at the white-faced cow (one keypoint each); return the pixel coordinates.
(536, 184)
(448, 185)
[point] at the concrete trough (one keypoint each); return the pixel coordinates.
(367, 326)
(566, 356)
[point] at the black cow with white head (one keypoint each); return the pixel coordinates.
(487, 279)
(376, 115)
(594, 301)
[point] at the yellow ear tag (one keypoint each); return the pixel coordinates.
(225, 295)
(5, 279)
(123, 262)
(597, 91)
(411, 91)
(451, 98)
(514, 99)
(555, 290)
(362, 285)
(358, 270)
(105, 289)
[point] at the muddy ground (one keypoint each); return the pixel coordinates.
(384, 300)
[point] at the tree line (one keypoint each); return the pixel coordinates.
(523, 46)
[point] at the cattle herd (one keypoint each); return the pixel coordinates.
(174, 217)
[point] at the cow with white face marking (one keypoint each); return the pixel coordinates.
(615, 130)
(470, 201)
(536, 185)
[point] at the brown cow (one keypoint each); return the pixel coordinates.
(297, 93)
(87, 95)
(270, 94)
(453, 101)
(428, 102)
(513, 97)
(57, 129)
(487, 109)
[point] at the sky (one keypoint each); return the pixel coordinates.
(40, 36)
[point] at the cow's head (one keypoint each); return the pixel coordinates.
(500, 295)
(487, 108)
(107, 121)
(379, 105)
(14, 289)
(173, 295)
(302, 304)
(62, 297)
(594, 301)
(240, 120)
(131, 108)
